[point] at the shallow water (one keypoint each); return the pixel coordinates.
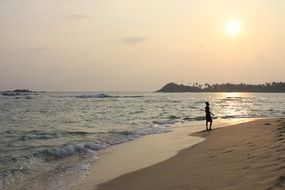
(55, 137)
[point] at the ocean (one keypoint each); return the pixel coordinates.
(49, 140)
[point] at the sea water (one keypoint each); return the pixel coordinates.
(49, 140)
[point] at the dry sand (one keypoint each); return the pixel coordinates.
(244, 156)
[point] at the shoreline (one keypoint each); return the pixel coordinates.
(145, 152)
(249, 155)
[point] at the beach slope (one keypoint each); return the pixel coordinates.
(245, 156)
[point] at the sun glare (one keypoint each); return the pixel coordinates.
(233, 28)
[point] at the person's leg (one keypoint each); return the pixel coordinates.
(210, 125)
(207, 125)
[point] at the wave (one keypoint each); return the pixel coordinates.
(105, 96)
(35, 134)
(173, 117)
(199, 118)
(137, 112)
(240, 116)
(69, 150)
(95, 96)
(231, 116)
(114, 137)
(164, 122)
(76, 133)
(128, 96)
(170, 120)
(125, 133)
(38, 135)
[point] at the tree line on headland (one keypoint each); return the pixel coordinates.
(224, 87)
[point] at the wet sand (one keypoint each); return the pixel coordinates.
(244, 156)
(144, 152)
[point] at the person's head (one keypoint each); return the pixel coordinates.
(207, 103)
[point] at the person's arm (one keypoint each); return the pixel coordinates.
(212, 114)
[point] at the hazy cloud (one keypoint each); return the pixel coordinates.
(261, 59)
(133, 40)
(38, 49)
(76, 16)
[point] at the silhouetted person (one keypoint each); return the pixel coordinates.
(208, 116)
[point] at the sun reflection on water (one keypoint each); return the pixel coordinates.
(235, 104)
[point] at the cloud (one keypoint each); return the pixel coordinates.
(261, 59)
(134, 40)
(38, 49)
(76, 16)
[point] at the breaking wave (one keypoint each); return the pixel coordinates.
(105, 96)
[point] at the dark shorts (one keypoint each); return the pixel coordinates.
(209, 118)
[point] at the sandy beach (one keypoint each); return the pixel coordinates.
(250, 155)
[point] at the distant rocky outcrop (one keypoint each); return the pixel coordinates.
(173, 87)
(270, 87)
(22, 90)
(18, 92)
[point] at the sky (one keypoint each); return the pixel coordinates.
(138, 45)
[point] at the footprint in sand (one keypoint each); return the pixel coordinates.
(227, 151)
(278, 121)
(279, 184)
(250, 144)
(281, 130)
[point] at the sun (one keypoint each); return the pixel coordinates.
(233, 28)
